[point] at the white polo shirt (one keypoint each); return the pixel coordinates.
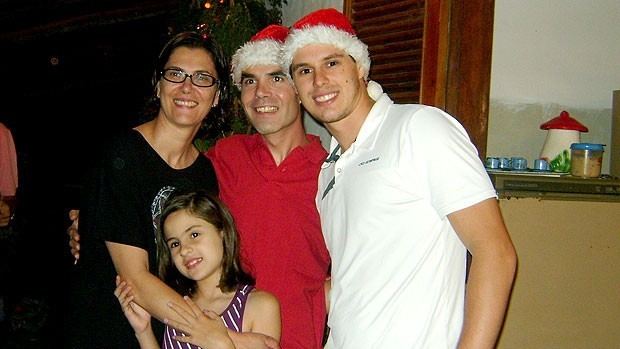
(398, 267)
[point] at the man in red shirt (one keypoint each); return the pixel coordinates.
(269, 182)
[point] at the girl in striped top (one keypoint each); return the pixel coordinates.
(197, 253)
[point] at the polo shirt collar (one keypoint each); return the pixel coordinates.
(313, 151)
(375, 117)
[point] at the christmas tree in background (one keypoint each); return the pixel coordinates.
(231, 23)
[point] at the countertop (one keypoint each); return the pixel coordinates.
(554, 186)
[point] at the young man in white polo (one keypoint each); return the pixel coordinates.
(402, 197)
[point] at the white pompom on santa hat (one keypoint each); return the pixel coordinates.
(262, 49)
(325, 26)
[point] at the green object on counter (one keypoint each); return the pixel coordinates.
(561, 163)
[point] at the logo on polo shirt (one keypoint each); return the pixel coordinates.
(364, 163)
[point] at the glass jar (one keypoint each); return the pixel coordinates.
(586, 159)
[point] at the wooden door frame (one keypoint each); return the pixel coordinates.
(456, 64)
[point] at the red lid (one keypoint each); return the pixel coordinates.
(563, 122)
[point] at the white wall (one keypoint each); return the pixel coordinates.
(550, 56)
(290, 14)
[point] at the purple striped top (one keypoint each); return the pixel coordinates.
(232, 317)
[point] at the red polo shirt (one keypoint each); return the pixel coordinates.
(282, 246)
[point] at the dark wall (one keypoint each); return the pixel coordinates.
(63, 91)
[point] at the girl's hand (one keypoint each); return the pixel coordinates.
(204, 329)
(138, 318)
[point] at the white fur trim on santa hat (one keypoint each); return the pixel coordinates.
(263, 52)
(321, 34)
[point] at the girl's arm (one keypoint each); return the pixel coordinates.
(139, 319)
(262, 314)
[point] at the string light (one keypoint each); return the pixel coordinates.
(208, 4)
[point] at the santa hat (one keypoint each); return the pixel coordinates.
(262, 49)
(326, 26)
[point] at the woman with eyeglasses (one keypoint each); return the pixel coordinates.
(122, 200)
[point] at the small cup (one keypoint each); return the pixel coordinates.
(518, 163)
(504, 163)
(541, 165)
(492, 162)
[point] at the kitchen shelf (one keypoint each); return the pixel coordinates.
(562, 187)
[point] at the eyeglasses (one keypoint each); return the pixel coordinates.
(199, 78)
